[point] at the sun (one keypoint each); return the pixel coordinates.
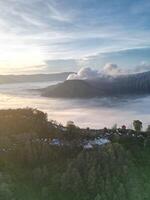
(22, 59)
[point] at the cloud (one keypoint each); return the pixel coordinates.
(35, 69)
(112, 69)
(58, 14)
(89, 73)
(142, 67)
(109, 70)
(61, 30)
(84, 73)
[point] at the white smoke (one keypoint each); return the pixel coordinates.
(89, 73)
(84, 73)
(109, 70)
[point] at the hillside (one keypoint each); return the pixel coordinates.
(70, 88)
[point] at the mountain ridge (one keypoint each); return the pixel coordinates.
(4, 79)
(132, 84)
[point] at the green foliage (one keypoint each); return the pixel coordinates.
(32, 169)
(98, 171)
(27, 120)
(148, 129)
(6, 191)
(98, 197)
(137, 125)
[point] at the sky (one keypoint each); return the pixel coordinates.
(46, 36)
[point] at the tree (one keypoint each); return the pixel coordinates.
(123, 127)
(137, 124)
(146, 136)
(148, 129)
(71, 180)
(70, 127)
(73, 133)
(92, 179)
(121, 193)
(70, 124)
(114, 127)
(98, 197)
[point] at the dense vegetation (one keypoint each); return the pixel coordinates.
(32, 168)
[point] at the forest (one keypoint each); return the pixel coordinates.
(44, 160)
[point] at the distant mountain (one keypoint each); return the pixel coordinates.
(33, 78)
(133, 84)
(70, 88)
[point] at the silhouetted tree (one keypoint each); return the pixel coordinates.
(148, 129)
(137, 125)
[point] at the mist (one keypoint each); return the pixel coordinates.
(94, 113)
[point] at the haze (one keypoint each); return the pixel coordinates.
(95, 113)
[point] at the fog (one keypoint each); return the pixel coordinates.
(94, 113)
